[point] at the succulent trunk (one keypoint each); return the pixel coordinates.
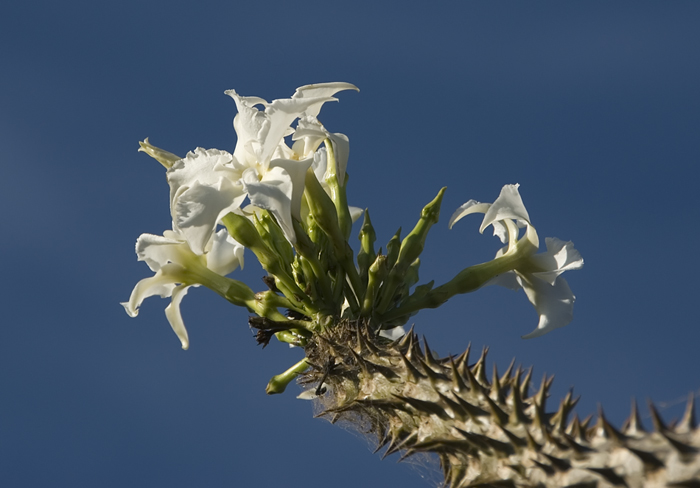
(488, 432)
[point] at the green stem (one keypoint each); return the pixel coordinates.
(278, 383)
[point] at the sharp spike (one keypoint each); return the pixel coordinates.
(429, 358)
(517, 414)
(609, 475)
(499, 416)
(541, 399)
(457, 474)
(565, 407)
(548, 470)
(457, 382)
(382, 442)
(506, 379)
(479, 368)
(361, 363)
(496, 392)
(604, 429)
(574, 429)
(459, 412)
(424, 406)
(483, 442)
(656, 419)
(650, 461)
(560, 465)
(578, 448)
(525, 385)
(410, 349)
(397, 443)
(679, 446)
(688, 423)
(473, 411)
(633, 425)
(413, 374)
(531, 443)
(462, 360)
(434, 377)
(516, 441)
(474, 385)
(404, 342)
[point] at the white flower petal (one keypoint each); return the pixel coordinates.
(157, 251)
(394, 333)
(297, 172)
(506, 280)
(508, 205)
(321, 90)
(172, 312)
(472, 206)
(259, 133)
(206, 166)
(554, 304)
(274, 194)
(161, 284)
(198, 208)
(225, 254)
(355, 213)
(560, 256)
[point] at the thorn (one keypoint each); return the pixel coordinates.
(429, 358)
(531, 443)
(433, 377)
(574, 429)
(560, 465)
(410, 351)
(397, 443)
(474, 385)
(633, 425)
(525, 385)
(424, 406)
(496, 392)
(649, 460)
(361, 363)
(458, 411)
(604, 429)
(516, 441)
(462, 360)
(472, 410)
(404, 342)
(499, 416)
(688, 423)
(505, 379)
(656, 419)
(479, 368)
(548, 470)
(609, 475)
(565, 407)
(412, 372)
(382, 442)
(578, 448)
(457, 474)
(490, 444)
(679, 446)
(517, 415)
(457, 382)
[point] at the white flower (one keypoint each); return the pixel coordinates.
(537, 274)
(177, 268)
(207, 184)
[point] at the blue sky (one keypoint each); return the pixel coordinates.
(593, 107)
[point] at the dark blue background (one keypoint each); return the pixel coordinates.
(593, 107)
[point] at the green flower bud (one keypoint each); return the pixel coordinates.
(366, 256)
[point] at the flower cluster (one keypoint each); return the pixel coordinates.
(282, 195)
